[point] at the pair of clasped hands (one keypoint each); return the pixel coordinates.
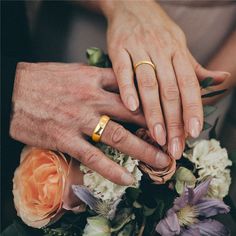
(57, 105)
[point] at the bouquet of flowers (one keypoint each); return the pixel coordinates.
(56, 195)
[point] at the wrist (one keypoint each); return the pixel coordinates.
(108, 8)
(112, 8)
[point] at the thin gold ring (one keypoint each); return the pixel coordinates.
(144, 62)
(97, 133)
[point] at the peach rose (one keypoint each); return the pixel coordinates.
(41, 186)
(159, 176)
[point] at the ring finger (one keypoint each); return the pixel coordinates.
(149, 93)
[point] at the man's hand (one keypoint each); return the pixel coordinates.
(57, 106)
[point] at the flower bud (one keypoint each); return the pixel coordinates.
(97, 226)
(184, 177)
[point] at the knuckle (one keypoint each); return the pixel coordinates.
(175, 125)
(125, 85)
(189, 82)
(193, 107)
(110, 173)
(122, 70)
(90, 157)
(148, 82)
(155, 112)
(63, 143)
(119, 134)
(13, 130)
(23, 65)
(171, 93)
(180, 35)
(87, 93)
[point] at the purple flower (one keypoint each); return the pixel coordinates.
(103, 208)
(183, 218)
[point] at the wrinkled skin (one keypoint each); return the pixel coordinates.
(57, 106)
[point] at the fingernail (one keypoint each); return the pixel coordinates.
(160, 134)
(194, 127)
(127, 179)
(162, 160)
(132, 103)
(225, 74)
(176, 147)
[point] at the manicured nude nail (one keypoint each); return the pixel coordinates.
(127, 179)
(160, 134)
(132, 103)
(176, 147)
(194, 127)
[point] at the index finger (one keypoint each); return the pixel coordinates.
(118, 137)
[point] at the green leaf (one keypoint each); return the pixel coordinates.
(208, 95)
(137, 205)
(133, 193)
(127, 230)
(160, 209)
(206, 126)
(123, 217)
(148, 211)
(207, 110)
(212, 133)
(232, 157)
(208, 81)
(96, 57)
(230, 203)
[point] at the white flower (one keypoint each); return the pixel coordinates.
(211, 160)
(103, 188)
(97, 226)
(219, 186)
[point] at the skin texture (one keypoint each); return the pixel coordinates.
(57, 106)
(169, 97)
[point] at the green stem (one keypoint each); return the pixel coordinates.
(142, 226)
(121, 225)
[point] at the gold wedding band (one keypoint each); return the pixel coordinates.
(144, 62)
(97, 133)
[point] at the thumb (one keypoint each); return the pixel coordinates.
(202, 73)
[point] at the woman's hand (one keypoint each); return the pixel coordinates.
(170, 97)
(57, 106)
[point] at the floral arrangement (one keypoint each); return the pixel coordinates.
(56, 195)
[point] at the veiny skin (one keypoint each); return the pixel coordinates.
(57, 106)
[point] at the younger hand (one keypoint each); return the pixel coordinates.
(170, 96)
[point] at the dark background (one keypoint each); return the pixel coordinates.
(16, 45)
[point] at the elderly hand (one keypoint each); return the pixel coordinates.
(170, 96)
(57, 106)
